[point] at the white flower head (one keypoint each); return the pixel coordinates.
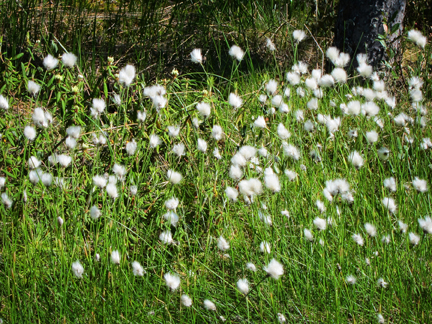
(33, 87)
(372, 136)
(95, 212)
(77, 269)
(30, 133)
(293, 78)
(186, 300)
(6, 200)
(196, 56)
(172, 203)
(274, 269)
(320, 223)
(154, 141)
(172, 281)
(202, 145)
(356, 159)
(299, 35)
(171, 217)
(358, 239)
(173, 131)
(236, 52)
(166, 237)
(137, 269)
(265, 247)
(222, 244)
(250, 266)
(131, 147)
(204, 109)
(270, 45)
(50, 62)
(179, 149)
(420, 185)
(98, 107)
(390, 204)
(231, 193)
(417, 37)
(339, 75)
(69, 59)
(115, 257)
(243, 286)
(127, 74)
(370, 229)
(174, 177)
(351, 280)
(390, 184)
(235, 101)
(209, 305)
(217, 132)
(271, 87)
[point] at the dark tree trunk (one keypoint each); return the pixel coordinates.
(360, 22)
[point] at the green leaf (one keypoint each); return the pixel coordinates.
(395, 28)
(18, 56)
(105, 90)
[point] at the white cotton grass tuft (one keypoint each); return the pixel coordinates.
(172, 281)
(222, 244)
(42, 118)
(231, 193)
(372, 136)
(292, 175)
(312, 104)
(166, 237)
(250, 266)
(120, 171)
(154, 141)
(204, 109)
(174, 177)
(390, 204)
(217, 132)
(50, 62)
(186, 300)
(30, 133)
(351, 280)
(358, 239)
(77, 269)
(179, 149)
(382, 283)
(235, 101)
(339, 75)
(69, 59)
(271, 180)
(33, 162)
(6, 200)
(251, 187)
(271, 87)
(217, 154)
(33, 87)
(299, 35)
(202, 145)
(356, 160)
(390, 184)
(243, 286)
(260, 122)
(71, 142)
(402, 226)
(265, 247)
(292, 78)
(95, 212)
(141, 116)
(74, 131)
(236, 53)
(131, 147)
(173, 131)
(370, 229)
(172, 203)
(137, 269)
(171, 217)
(426, 224)
(380, 319)
(326, 81)
(274, 269)
(2, 182)
(420, 185)
(320, 223)
(98, 107)
(277, 101)
(383, 153)
(4, 103)
(308, 235)
(209, 305)
(196, 56)
(115, 257)
(99, 181)
(111, 190)
(291, 151)
(417, 37)
(270, 45)
(127, 74)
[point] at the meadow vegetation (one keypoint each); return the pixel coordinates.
(237, 181)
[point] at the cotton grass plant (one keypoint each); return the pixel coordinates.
(301, 198)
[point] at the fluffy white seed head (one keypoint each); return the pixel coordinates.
(6, 200)
(209, 305)
(320, 223)
(204, 109)
(50, 62)
(356, 159)
(370, 229)
(265, 247)
(299, 35)
(217, 132)
(172, 281)
(127, 74)
(339, 75)
(231, 193)
(414, 238)
(390, 204)
(251, 187)
(236, 53)
(308, 235)
(293, 78)
(171, 217)
(154, 141)
(137, 269)
(179, 149)
(115, 257)
(111, 190)
(77, 269)
(69, 59)
(291, 151)
(196, 56)
(166, 237)
(270, 45)
(172, 203)
(351, 280)
(202, 145)
(243, 286)
(417, 37)
(222, 244)
(372, 136)
(260, 122)
(358, 239)
(250, 266)
(95, 212)
(33, 87)
(186, 300)
(235, 101)
(174, 177)
(274, 269)
(131, 147)
(420, 185)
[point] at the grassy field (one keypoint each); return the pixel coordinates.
(218, 190)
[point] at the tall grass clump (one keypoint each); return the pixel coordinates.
(254, 195)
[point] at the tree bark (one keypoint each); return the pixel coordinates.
(359, 23)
